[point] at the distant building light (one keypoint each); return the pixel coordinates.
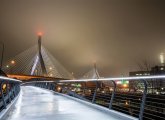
(103, 91)
(146, 74)
(118, 82)
(161, 68)
(125, 85)
(59, 88)
(111, 89)
(4, 86)
(126, 103)
(139, 74)
(127, 82)
(162, 58)
(141, 91)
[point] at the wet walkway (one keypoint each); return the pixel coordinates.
(38, 104)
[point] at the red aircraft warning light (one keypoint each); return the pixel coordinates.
(39, 33)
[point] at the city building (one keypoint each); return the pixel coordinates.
(155, 86)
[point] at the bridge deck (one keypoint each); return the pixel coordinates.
(39, 104)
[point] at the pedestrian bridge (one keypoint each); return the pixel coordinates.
(83, 99)
(35, 103)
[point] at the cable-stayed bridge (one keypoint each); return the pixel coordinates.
(34, 62)
(51, 92)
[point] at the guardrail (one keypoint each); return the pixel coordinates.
(9, 89)
(137, 98)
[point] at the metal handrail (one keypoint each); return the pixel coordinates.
(9, 89)
(128, 103)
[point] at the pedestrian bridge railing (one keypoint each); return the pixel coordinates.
(9, 89)
(142, 97)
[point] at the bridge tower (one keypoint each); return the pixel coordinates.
(43, 68)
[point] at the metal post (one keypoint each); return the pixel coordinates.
(113, 95)
(39, 84)
(11, 91)
(94, 95)
(19, 88)
(3, 98)
(47, 85)
(84, 87)
(8, 92)
(53, 87)
(14, 94)
(143, 100)
(44, 85)
(50, 86)
(16, 90)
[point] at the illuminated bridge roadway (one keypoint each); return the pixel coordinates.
(35, 103)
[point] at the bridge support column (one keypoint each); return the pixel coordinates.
(143, 100)
(43, 68)
(113, 95)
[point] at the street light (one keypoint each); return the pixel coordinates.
(50, 68)
(51, 75)
(13, 62)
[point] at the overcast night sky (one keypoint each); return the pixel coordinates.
(115, 33)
